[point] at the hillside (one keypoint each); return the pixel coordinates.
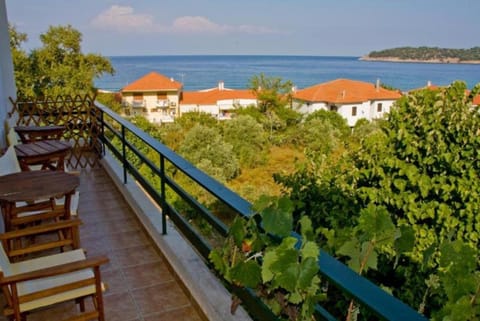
(426, 54)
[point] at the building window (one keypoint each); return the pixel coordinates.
(354, 111)
(333, 108)
(379, 107)
(138, 96)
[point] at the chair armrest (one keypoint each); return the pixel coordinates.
(67, 229)
(40, 229)
(88, 263)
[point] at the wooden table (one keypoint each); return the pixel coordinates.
(48, 153)
(34, 186)
(30, 134)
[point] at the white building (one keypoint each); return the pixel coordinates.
(352, 99)
(218, 102)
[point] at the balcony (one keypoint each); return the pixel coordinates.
(141, 283)
(162, 103)
(138, 104)
(154, 274)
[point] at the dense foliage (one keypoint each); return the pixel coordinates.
(267, 259)
(58, 67)
(428, 53)
(417, 175)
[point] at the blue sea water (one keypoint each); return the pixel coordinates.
(201, 72)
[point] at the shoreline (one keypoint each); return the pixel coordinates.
(431, 61)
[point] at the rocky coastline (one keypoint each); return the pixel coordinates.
(431, 61)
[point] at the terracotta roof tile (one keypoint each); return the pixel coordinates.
(476, 100)
(211, 97)
(345, 91)
(153, 82)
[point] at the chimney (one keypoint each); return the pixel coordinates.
(429, 84)
(377, 85)
(171, 79)
(344, 92)
(294, 89)
(221, 85)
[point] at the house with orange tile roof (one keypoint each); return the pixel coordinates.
(154, 96)
(352, 99)
(219, 101)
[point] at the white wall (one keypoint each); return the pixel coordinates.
(228, 104)
(308, 108)
(209, 109)
(188, 108)
(367, 109)
(7, 80)
(386, 107)
(363, 111)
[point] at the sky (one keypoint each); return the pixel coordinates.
(252, 27)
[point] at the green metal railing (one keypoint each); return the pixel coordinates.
(122, 139)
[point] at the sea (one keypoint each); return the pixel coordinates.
(199, 72)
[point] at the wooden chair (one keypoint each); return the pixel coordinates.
(9, 164)
(48, 280)
(17, 244)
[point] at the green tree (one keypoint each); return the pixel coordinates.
(112, 101)
(58, 67)
(205, 148)
(248, 140)
(420, 165)
(21, 62)
(271, 92)
(334, 119)
(423, 166)
(189, 120)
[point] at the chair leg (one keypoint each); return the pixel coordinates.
(98, 297)
(81, 304)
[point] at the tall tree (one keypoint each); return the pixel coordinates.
(206, 149)
(21, 61)
(58, 67)
(423, 166)
(248, 139)
(272, 92)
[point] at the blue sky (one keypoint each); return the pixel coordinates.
(279, 27)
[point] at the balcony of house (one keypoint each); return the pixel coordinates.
(141, 213)
(138, 104)
(162, 103)
(160, 115)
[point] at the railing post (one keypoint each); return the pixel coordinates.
(162, 194)
(124, 156)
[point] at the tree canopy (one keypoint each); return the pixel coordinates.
(58, 67)
(272, 92)
(205, 147)
(401, 205)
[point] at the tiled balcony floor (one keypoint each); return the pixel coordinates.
(141, 286)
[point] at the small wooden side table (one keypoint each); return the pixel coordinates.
(30, 134)
(48, 153)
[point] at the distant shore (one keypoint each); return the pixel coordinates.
(431, 61)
